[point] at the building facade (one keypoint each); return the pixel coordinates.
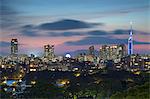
(112, 52)
(49, 52)
(91, 51)
(14, 47)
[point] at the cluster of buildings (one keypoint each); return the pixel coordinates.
(118, 57)
(115, 56)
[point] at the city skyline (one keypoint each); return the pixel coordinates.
(73, 25)
(75, 49)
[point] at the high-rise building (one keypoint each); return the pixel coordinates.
(130, 42)
(14, 47)
(49, 51)
(91, 51)
(46, 50)
(112, 52)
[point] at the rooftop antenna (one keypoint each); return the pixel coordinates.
(131, 27)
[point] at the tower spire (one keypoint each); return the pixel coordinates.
(131, 27)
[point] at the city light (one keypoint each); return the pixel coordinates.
(62, 82)
(33, 82)
(68, 55)
(77, 74)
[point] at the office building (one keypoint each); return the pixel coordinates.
(49, 52)
(91, 51)
(14, 47)
(112, 52)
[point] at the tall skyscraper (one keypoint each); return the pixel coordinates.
(91, 51)
(130, 42)
(49, 51)
(46, 50)
(14, 47)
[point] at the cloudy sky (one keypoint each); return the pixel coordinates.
(73, 24)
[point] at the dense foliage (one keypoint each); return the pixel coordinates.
(137, 92)
(113, 85)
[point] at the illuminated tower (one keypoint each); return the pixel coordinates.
(130, 42)
(14, 47)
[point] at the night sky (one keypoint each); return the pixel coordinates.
(73, 24)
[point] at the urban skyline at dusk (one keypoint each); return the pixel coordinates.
(74, 49)
(73, 25)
